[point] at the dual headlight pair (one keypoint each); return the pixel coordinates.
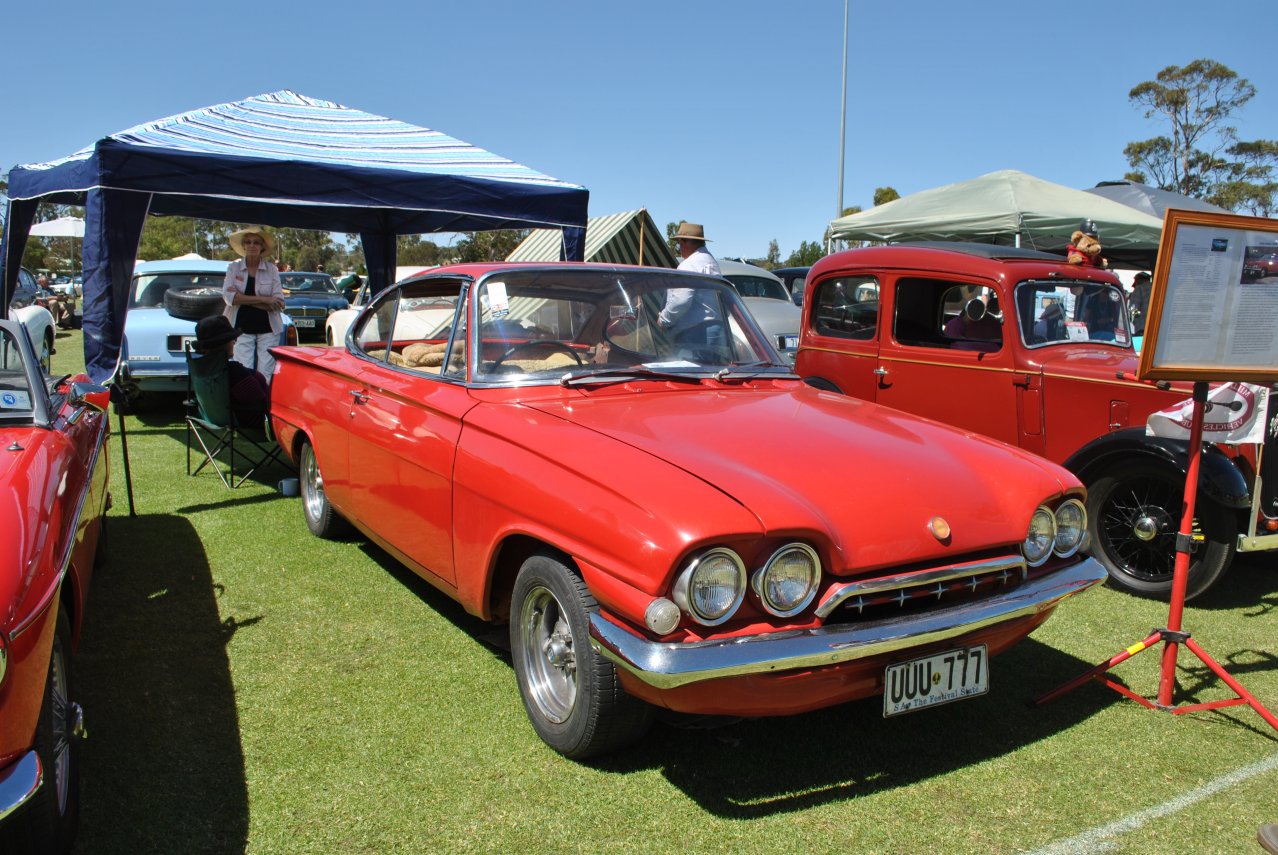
(1060, 531)
(713, 585)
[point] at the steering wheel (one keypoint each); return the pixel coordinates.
(545, 344)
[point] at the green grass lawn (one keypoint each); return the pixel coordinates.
(250, 688)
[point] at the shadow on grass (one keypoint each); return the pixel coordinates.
(163, 765)
(762, 767)
(1250, 584)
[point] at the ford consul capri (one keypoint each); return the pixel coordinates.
(543, 444)
(53, 480)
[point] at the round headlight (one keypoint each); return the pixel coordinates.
(1071, 525)
(1041, 537)
(788, 582)
(712, 586)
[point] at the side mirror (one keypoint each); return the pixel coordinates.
(90, 395)
(975, 309)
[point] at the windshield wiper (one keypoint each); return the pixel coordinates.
(615, 374)
(739, 372)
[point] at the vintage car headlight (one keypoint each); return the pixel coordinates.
(712, 586)
(1041, 538)
(788, 582)
(1071, 526)
(662, 616)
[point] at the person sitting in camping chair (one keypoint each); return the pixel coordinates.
(250, 395)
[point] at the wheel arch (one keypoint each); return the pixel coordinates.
(508, 557)
(1220, 478)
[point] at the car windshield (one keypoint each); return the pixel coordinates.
(544, 323)
(310, 283)
(1063, 312)
(149, 288)
(759, 286)
(15, 388)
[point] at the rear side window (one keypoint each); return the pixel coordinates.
(847, 307)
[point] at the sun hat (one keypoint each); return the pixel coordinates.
(236, 240)
(213, 332)
(691, 231)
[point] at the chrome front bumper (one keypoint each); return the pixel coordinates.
(667, 665)
(19, 783)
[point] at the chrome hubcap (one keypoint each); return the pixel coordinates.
(312, 485)
(1145, 528)
(548, 656)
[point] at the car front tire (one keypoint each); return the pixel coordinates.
(1134, 516)
(572, 694)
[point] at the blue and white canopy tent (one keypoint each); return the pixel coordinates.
(279, 159)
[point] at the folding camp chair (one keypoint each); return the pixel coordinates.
(210, 422)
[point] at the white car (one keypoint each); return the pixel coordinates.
(36, 320)
(767, 299)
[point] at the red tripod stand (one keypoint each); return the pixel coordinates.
(1173, 636)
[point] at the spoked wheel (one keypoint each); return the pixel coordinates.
(48, 822)
(571, 693)
(1134, 515)
(321, 518)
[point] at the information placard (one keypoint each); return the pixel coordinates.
(1213, 310)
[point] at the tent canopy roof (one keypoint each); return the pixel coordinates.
(630, 237)
(999, 207)
(1151, 200)
(284, 159)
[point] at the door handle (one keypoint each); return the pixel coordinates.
(360, 397)
(881, 371)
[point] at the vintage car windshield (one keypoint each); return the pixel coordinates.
(15, 387)
(148, 289)
(541, 324)
(309, 283)
(1066, 312)
(758, 286)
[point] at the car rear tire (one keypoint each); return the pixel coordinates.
(572, 694)
(193, 304)
(48, 822)
(1134, 515)
(321, 518)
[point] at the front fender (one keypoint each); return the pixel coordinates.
(1219, 477)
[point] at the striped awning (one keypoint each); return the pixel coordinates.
(630, 237)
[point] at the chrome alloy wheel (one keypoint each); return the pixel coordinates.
(67, 723)
(312, 484)
(548, 656)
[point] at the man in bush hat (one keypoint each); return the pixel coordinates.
(691, 315)
(250, 394)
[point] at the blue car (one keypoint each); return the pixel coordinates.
(309, 298)
(166, 299)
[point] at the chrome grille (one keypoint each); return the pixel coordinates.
(920, 590)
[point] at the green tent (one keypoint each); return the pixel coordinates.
(1008, 208)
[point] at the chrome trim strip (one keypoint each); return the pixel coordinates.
(838, 593)
(666, 665)
(19, 783)
(65, 560)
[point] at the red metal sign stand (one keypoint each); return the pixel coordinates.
(1173, 636)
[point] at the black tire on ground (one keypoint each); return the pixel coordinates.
(571, 693)
(193, 304)
(48, 822)
(1133, 516)
(321, 518)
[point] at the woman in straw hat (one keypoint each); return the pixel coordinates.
(254, 298)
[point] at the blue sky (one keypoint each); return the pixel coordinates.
(719, 112)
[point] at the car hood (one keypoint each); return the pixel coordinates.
(804, 461)
(1090, 362)
(774, 317)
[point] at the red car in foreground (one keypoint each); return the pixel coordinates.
(1020, 346)
(53, 493)
(662, 512)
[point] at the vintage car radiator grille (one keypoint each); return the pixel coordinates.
(920, 590)
(308, 312)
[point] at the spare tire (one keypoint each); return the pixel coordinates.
(193, 304)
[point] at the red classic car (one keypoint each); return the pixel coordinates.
(1020, 346)
(662, 512)
(53, 479)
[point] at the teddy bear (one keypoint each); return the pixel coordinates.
(1085, 247)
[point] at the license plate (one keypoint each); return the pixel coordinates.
(937, 679)
(309, 323)
(788, 342)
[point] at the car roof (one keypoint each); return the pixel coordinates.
(740, 268)
(180, 266)
(977, 259)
